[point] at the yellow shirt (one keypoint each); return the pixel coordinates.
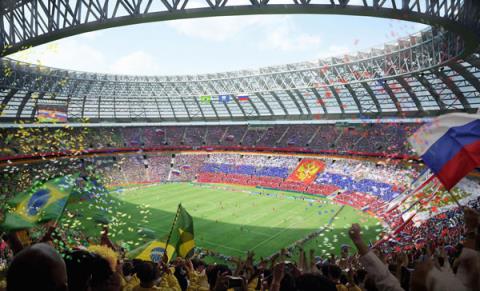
(130, 284)
(169, 282)
(253, 284)
(198, 281)
(140, 288)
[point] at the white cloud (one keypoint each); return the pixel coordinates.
(67, 53)
(76, 54)
(219, 28)
(92, 35)
(135, 63)
(276, 32)
(286, 37)
(334, 51)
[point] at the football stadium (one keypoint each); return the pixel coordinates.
(356, 169)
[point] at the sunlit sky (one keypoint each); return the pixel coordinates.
(217, 44)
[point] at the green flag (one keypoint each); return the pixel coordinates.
(182, 233)
(39, 204)
(206, 99)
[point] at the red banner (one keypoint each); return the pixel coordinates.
(307, 171)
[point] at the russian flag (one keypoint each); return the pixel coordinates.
(243, 97)
(449, 146)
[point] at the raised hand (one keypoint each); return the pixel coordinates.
(312, 267)
(262, 264)
(189, 265)
(278, 273)
(355, 232)
(356, 237)
(302, 261)
(283, 254)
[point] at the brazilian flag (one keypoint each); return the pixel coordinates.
(39, 204)
(152, 251)
(182, 233)
(180, 241)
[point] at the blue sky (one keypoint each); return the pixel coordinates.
(217, 44)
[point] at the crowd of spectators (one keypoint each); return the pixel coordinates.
(440, 263)
(438, 254)
(194, 135)
(272, 135)
(391, 173)
(297, 136)
(362, 184)
(188, 166)
(366, 138)
(158, 167)
(288, 162)
(360, 201)
(153, 137)
(379, 189)
(214, 134)
(253, 135)
(256, 165)
(447, 225)
(173, 135)
(380, 180)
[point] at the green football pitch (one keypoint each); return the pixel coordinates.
(228, 219)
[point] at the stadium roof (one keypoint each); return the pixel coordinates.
(432, 72)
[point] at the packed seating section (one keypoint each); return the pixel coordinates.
(442, 233)
(361, 138)
(359, 183)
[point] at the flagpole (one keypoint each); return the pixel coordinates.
(61, 213)
(399, 228)
(171, 229)
(410, 193)
(63, 210)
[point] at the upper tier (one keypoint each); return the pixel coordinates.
(369, 139)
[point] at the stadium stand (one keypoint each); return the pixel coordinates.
(189, 166)
(308, 272)
(158, 168)
(333, 131)
(364, 183)
(327, 138)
